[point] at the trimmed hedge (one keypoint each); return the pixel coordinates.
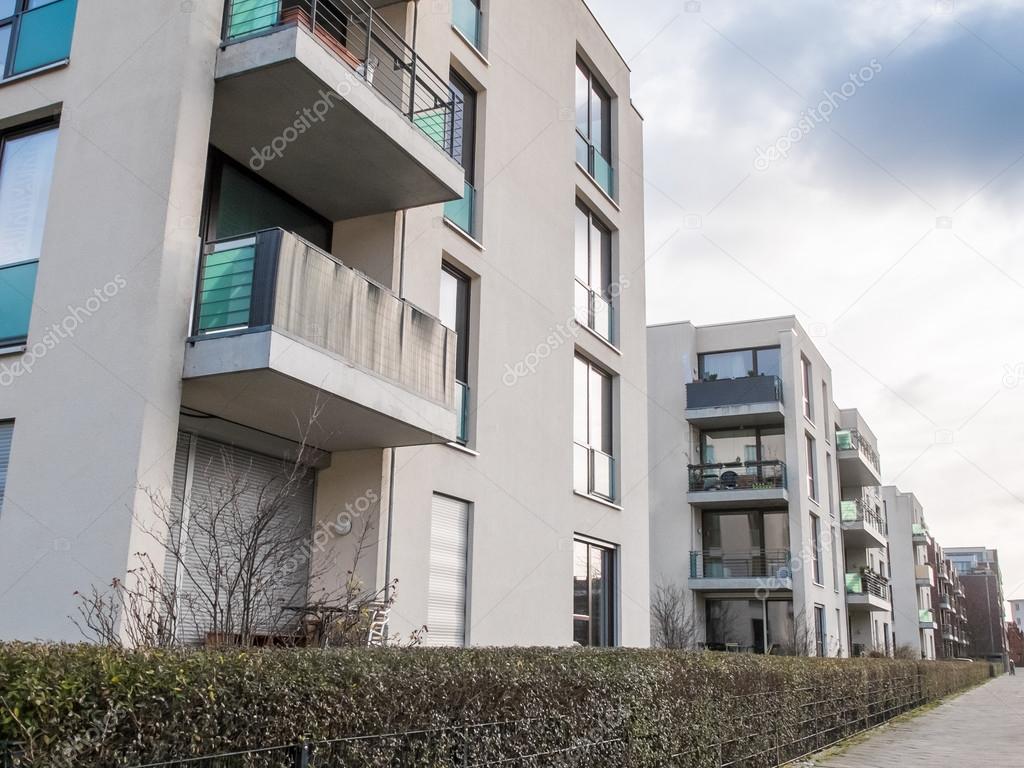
(94, 706)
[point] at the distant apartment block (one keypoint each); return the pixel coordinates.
(745, 493)
(865, 535)
(978, 568)
(913, 573)
(1017, 612)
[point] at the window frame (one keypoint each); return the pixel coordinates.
(816, 574)
(13, 22)
(605, 257)
(702, 372)
(594, 85)
(463, 353)
(6, 461)
(820, 630)
(590, 446)
(807, 375)
(610, 555)
(813, 492)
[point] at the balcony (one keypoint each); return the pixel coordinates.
(867, 590)
(749, 401)
(857, 459)
(327, 102)
(17, 287)
(863, 525)
(282, 329)
(919, 534)
(926, 619)
(924, 575)
(739, 484)
(462, 212)
(714, 570)
(37, 38)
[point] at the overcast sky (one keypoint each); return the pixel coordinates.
(889, 220)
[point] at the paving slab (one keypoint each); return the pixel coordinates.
(983, 727)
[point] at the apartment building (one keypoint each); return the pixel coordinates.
(982, 580)
(951, 600)
(913, 575)
(392, 251)
(745, 495)
(865, 535)
(1017, 613)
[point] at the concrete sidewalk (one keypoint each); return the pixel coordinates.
(984, 726)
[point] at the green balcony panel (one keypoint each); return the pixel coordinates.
(848, 511)
(435, 123)
(17, 287)
(854, 583)
(225, 293)
(44, 36)
(604, 174)
(844, 440)
(466, 19)
(462, 409)
(460, 212)
(246, 17)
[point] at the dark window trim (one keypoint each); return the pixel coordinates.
(611, 586)
(216, 161)
(753, 350)
(757, 436)
(462, 353)
(604, 94)
(461, 87)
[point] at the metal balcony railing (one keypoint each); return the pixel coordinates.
(738, 476)
(860, 511)
(360, 37)
(866, 582)
(852, 440)
(274, 279)
(764, 563)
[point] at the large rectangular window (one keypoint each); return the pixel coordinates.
(740, 363)
(593, 273)
(34, 34)
(757, 626)
(812, 467)
(594, 128)
(744, 544)
(816, 548)
(593, 584)
(26, 173)
(593, 459)
(819, 630)
(455, 291)
(6, 436)
(805, 373)
(462, 213)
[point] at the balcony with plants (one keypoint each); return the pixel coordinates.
(736, 387)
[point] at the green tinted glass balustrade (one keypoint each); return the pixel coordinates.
(466, 19)
(460, 212)
(925, 617)
(225, 292)
(604, 174)
(854, 583)
(435, 123)
(844, 440)
(462, 410)
(246, 17)
(44, 36)
(17, 286)
(848, 511)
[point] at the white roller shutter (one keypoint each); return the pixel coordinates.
(446, 601)
(209, 477)
(6, 435)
